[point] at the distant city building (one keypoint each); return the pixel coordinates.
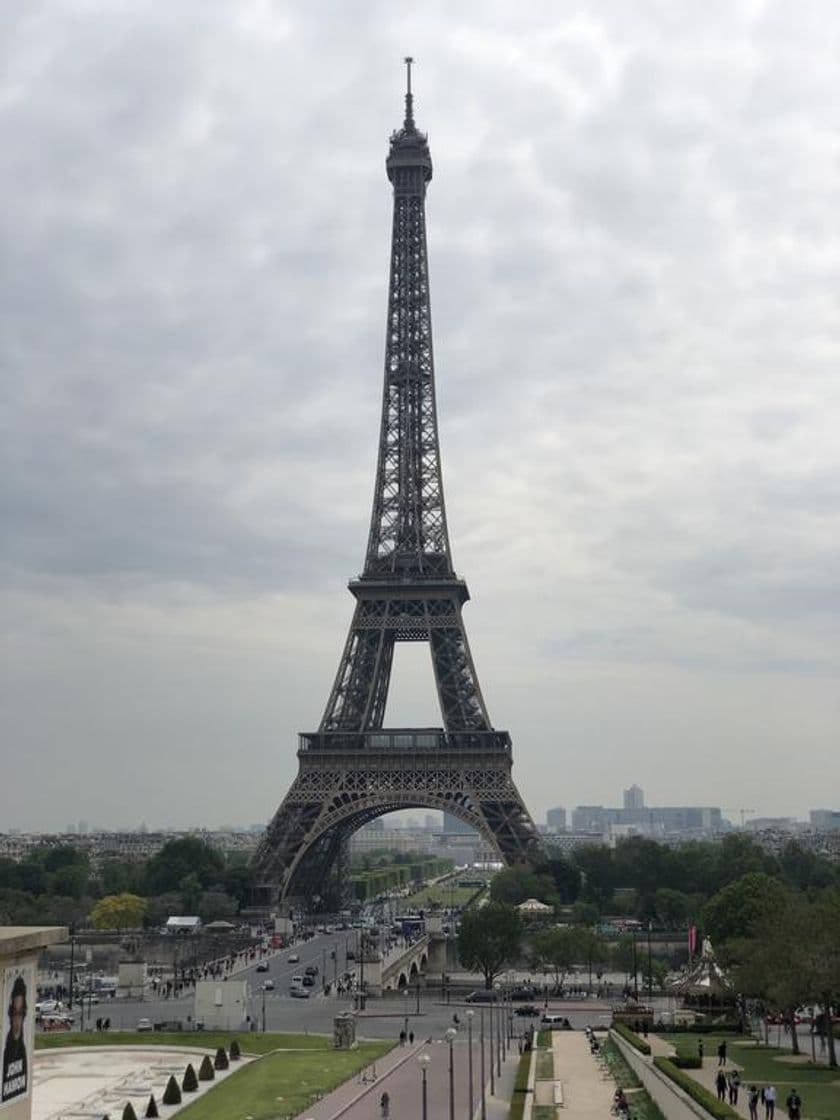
(634, 798)
(649, 821)
(825, 820)
(556, 819)
(780, 824)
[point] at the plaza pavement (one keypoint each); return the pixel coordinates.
(92, 1081)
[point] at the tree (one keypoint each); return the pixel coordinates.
(119, 911)
(744, 905)
(560, 948)
(190, 888)
(673, 908)
(180, 858)
(489, 938)
(515, 884)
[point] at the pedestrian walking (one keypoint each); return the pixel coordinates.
(700, 1051)
(720, 1085)
(722, 1053)
(411, 1038)
(794, 1105)
(752, 1101)
(402, 1038)
(734, 1086)
(385, 1106)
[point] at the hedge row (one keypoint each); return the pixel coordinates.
(719, 1109)
(635, 1040)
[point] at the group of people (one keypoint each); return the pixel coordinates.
(728, 1086)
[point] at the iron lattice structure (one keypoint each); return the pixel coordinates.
(352, 770)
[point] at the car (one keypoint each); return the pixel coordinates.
(311, 970)
(56, 1021)
(528, 1010)
(294, 958)
(308, 981)
(46, 1005)
(484, 995)
(144, 1025)
(268, 986)
(262, 966)
(526, 994)
(299, 993)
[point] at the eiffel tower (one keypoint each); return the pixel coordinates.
(352, 769)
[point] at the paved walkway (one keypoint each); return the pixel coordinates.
(587, 1094)
(400, 1075)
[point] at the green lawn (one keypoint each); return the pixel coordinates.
(818, 1086)
(441, 894)
(253, 1042)
(281, 1085)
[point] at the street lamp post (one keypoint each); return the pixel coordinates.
(650, 967)
(470, 1014)
(483, 1075)
(450, 1038)
(263, 1008)
(492, 1054)
(423, 1062)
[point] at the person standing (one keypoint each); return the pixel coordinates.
(700, 1051)
(722, 1053)
(770, 1102)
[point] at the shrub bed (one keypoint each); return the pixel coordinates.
(719, 1109)
(635, 1040)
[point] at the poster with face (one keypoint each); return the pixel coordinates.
(18, 1015)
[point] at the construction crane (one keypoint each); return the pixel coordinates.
(744, 812)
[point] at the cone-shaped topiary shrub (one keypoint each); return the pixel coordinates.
(234, 1051)
(152, 1108)
(221, 1059)
(128, 1112)
(190, 1082)
(172, 1094)
(205, 1070)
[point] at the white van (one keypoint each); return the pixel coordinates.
(555, 1022)
(297, 982)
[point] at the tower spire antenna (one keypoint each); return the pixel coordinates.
(409, 99)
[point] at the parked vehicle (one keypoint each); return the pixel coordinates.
(484, 995)
(528, 1010)
(144, 1025)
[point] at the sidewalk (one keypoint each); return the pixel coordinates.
(400, 1076)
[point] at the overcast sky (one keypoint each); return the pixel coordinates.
(635, 266)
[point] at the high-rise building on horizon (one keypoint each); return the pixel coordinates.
(556, 819)
(826, 820)
(634, 798)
